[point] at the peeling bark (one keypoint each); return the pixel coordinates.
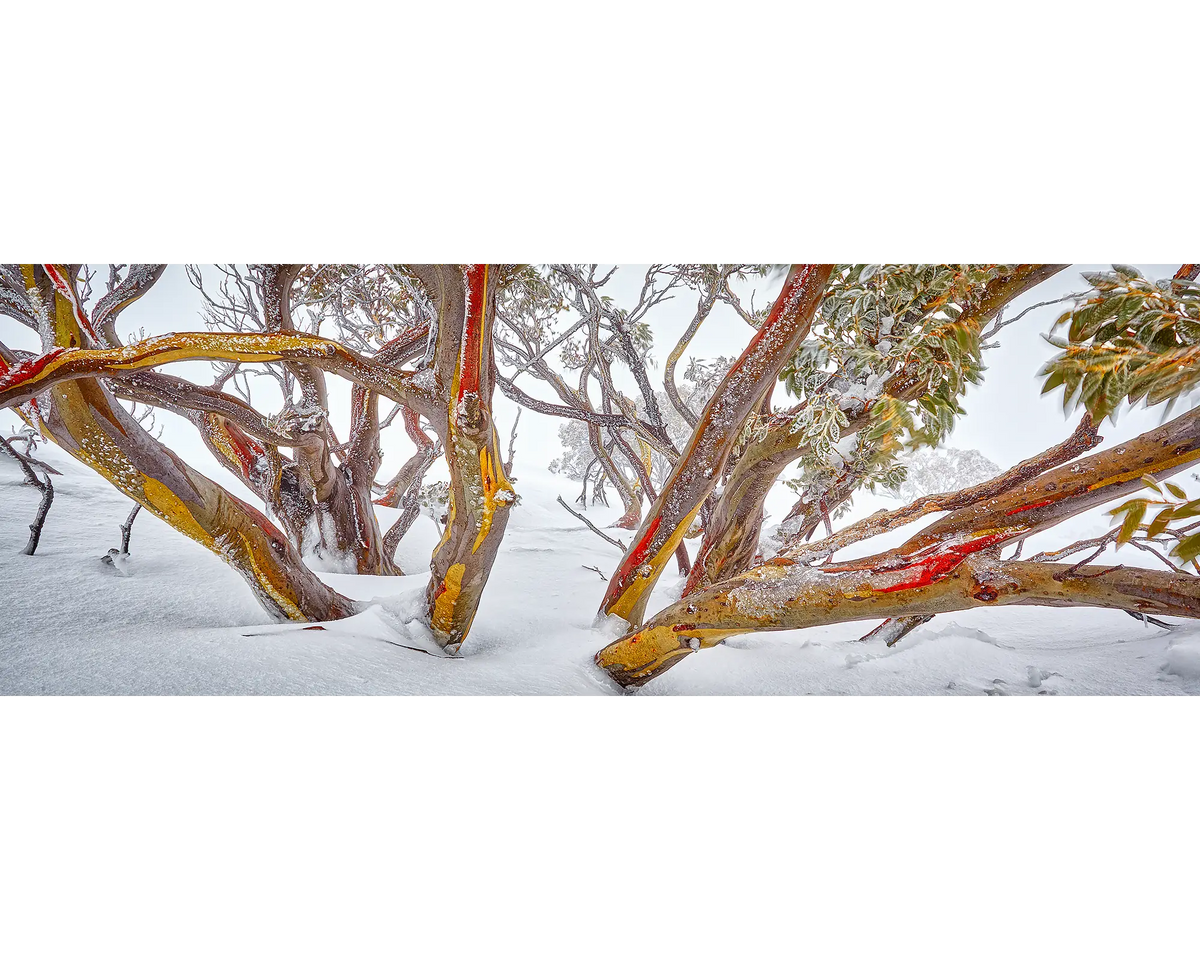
(480, 493)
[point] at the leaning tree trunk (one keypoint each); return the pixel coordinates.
(480, 493)
(732, 535)
(951, 565)
(700, 466)
(83, 418)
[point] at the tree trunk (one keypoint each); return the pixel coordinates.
(950, 565)
(480, 493)
(86, 422)
(731, 537)
(700, 467)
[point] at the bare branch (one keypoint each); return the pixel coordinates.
(45, 485)
(591, 526)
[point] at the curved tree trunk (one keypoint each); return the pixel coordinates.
(85, 421)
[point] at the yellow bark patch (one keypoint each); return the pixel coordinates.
(627, 601)
(450, 511)
(443, 607)
(163, 502)
(1157, 468)
(263, 578)
(493, 482)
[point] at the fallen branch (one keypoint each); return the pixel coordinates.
(952, 564)
(591, 526)
(793, 597)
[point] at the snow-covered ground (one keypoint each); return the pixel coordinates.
(183, 622)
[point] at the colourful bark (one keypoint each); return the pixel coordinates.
(701, 464)
(480, 493)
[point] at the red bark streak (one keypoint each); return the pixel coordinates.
(244, 448)
(28, 369)
(940, 564)
(639, 553)
(793, 288)
(1029, 506)
(696, 576)
(472, 342)
(269, 530)
(705, 456)
(68, 291)
(412, 426)
(405, 339)
(931, 567)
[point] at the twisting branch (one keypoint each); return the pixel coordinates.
(700, 468)
(1000, 323)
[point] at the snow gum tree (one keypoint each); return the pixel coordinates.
(317, 488)
(840, 376)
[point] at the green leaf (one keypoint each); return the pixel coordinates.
(1188, 548)
(1177, 491)
(1133, 520)
(1053, 381)
(1189, 509)
(1160, 522)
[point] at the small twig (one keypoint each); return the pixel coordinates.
(45, 486)
(512, 440)
(1142, 545)
(1146, 618)
(1070, 571)
(1068, 574)
(591, 526)
(596, 570)
(127, 528)
(1000, 323)
(1066, 551)
(895, 629)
